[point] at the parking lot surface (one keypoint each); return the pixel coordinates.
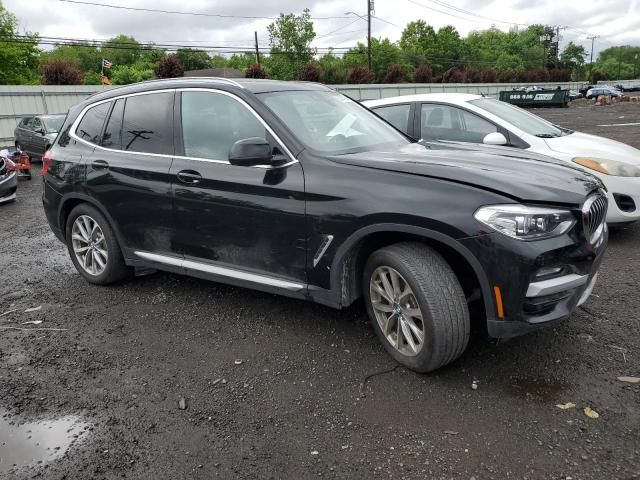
(172, 377)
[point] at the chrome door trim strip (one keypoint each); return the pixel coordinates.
(221, 271)
(287, 152)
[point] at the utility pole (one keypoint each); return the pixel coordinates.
(592, 38)
(558, 28)
(255, 34)
(369, 10)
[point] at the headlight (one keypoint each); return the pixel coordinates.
(523, 222)
(609, 167)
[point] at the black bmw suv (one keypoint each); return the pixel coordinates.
(293, 188)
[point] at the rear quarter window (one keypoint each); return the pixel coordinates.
(90, 126)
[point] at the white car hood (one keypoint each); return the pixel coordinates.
(585, 145)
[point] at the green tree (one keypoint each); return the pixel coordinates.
(126, 74)
(572, 57)
(332, 69)
(290, 38)
(92, 78)
(18, 55)
(418, 42)
(241, 61)
(508, 61)
(219, 61)
(384, 53)
(85, 57)
(122, 50)
(193, 59)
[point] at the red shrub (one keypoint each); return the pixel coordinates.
(453, 75)
(359, 75)
(59, 72)
(489, 76)
(169, 67)
(395, 74)
(423, 74)
(255, 71)
(309, 73)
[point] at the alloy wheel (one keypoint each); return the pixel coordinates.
(89, 245)
(396, 310)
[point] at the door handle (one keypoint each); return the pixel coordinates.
(99, 164)
(189, 176)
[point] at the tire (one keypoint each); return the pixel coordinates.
(107, 268)
(438, 296)
(17, 145)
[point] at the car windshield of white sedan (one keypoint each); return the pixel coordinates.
(516, 116)
(329, 122)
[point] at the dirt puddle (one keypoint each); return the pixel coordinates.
(24, 444)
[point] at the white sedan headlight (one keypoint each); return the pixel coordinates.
(608, 167)
(524, 222)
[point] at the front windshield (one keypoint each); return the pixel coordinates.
(53, 124)
(516, 116)
(331, 123)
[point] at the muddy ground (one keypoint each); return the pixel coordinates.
(295, 406)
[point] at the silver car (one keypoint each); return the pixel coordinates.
(35, 135)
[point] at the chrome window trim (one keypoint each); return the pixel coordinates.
(221, 271)
(287, 152)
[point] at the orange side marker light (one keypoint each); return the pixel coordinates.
(498, 294)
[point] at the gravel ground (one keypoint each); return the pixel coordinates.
(278, 388)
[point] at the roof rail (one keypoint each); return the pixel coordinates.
(221, 80)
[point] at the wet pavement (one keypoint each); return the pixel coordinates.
(33, 444)
(314, 395)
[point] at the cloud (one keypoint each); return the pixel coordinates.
(618, 23)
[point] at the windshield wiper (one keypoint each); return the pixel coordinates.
(547, 135)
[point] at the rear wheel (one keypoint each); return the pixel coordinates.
(93, 247)
(417, 306)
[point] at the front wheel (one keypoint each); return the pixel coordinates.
(416, 305)
(93, 247)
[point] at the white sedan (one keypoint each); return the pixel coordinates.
(461, 117)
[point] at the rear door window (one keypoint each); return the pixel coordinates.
(112, 136)
(148, 123)
(396, 115)
(91, 124)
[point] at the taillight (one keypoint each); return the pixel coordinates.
(46, 162)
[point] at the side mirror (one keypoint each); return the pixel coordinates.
(495, 138)
(250, 152)
(40, 131)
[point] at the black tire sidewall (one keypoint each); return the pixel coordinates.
(422, 361)
(115, 268)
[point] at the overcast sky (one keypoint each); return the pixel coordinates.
(616, 21)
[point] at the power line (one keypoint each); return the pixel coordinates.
(176, 12)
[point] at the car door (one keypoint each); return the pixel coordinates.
(38, 140)
(446, 122)
(26, 139)
(128, 170)
(235, 219)
(22, 132)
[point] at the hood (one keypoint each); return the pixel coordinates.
(584, 145)
(537, 179)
